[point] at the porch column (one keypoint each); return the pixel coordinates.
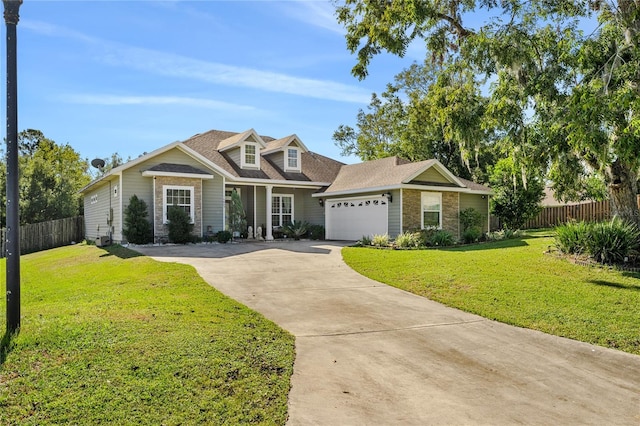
(255, 210)
(269, 209)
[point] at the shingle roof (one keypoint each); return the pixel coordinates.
(385, 172)
(474, 186)
(376, 173)
(315, 167)
(177, 168)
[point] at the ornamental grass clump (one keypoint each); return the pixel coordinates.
(380, 240)
(611, 242)
(571, 238)
(605, 242)
(408, 239)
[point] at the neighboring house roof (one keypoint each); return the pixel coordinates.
(550, 200)
(393, 172)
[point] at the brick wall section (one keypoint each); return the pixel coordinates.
(161, 231)
(412, 211)
(450, 221)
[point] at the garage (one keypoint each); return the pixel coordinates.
(353, 218)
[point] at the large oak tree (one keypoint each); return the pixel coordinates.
(560, 98)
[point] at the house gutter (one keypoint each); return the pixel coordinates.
(401, 186)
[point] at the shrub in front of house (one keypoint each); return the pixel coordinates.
(471, 225)
(316, 232)
(296, 229)
(503, 234)
(224, 237)
(408, 239)
(137, 229)
(471, 235)
(179, 225)
(380, 240)
(365, 241)
(435, 237)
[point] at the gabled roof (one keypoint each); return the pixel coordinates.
(315, 167)
(170, 169)
(280, 144)
(393, 172)
(237, 139)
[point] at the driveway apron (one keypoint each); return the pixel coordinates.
(370, 354)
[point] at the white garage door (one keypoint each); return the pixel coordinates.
(352, 218)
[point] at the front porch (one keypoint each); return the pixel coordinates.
(268, 208)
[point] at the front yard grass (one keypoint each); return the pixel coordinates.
(514, 282)
(109, 337)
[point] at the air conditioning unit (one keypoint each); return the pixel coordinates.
(103, 241)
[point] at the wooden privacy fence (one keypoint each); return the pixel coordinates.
(557, 215)
(46, 235)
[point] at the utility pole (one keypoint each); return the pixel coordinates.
(11, 17)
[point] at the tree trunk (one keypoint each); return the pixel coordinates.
(623, 190)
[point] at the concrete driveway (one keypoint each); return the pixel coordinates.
(370, 354)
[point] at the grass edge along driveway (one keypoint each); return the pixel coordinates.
(515, 282)
(111, 337)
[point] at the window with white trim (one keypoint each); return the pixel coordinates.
(281, 210)
(250, 155)
(293, 159)
(180, 196)
(431, 210)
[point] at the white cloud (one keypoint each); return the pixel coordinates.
(317, 13)
(173, 65)
(104, 99)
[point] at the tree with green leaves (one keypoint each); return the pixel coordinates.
(561, 100)
(137, 229)
(517, 193)
(237, 217)
(179, 225)
(50, 177)
(428, 112)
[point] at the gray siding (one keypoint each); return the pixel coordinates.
(477, 202)
(234, 154)
(96, 215)
(213, 204)
(431, 175)
(261, 207)
(313, 211)
(278, 159)
(395, 214)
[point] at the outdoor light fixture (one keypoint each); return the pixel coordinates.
(321, 202)
(388, 196)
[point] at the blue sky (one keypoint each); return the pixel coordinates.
(132, 76)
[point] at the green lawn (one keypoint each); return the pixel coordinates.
(514, 282)
(113, 338)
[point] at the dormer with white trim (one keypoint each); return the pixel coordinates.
(286, 153)
(244, 149)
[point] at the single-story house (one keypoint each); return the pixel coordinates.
(279, 181)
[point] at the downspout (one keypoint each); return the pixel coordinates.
(401, 210)
(154, 209)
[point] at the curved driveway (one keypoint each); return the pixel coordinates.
(370, 354)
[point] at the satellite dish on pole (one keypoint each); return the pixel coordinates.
(98, 163)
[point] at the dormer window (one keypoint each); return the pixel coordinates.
(293, 159)
(250, 155)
